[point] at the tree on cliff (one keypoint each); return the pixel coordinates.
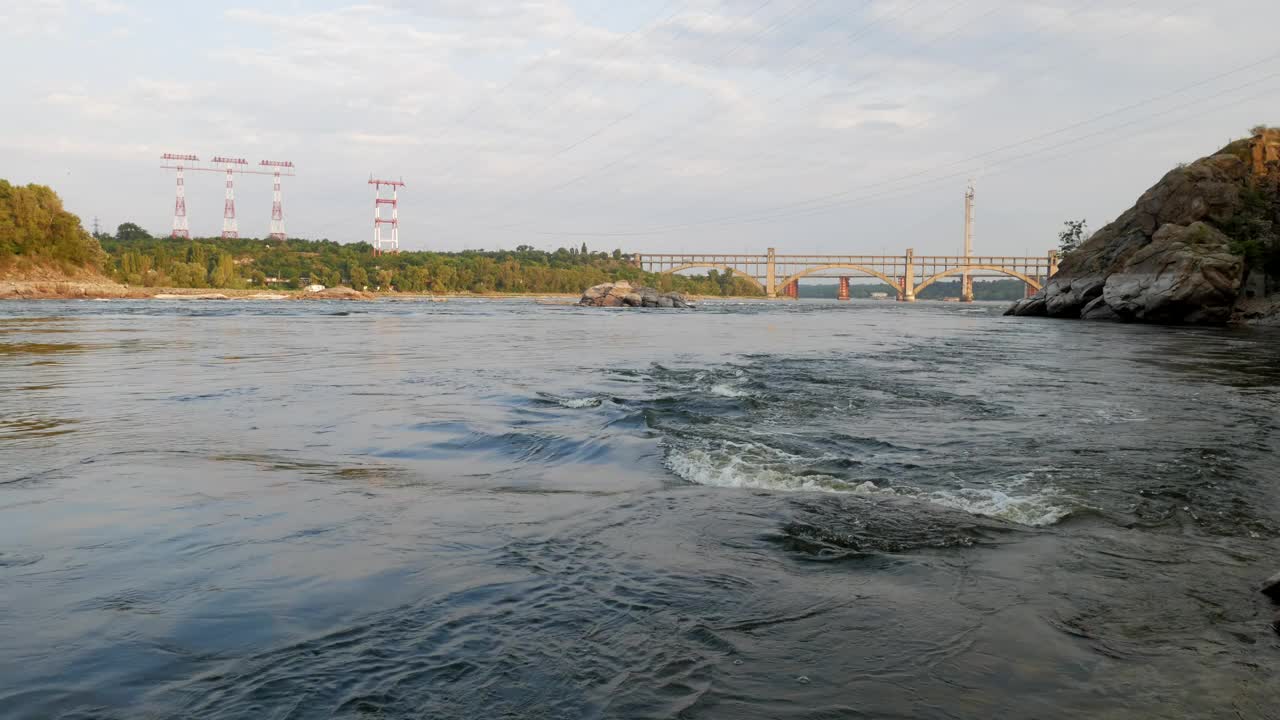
(1072, 234)
(35, 231)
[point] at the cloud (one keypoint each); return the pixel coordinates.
(83, 104)
(622, 116)
(108, 7)
(23, 18)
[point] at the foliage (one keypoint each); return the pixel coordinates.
(1253, 230)
(1072, 235)
(139, 259)
(36, 231)
(130, 231)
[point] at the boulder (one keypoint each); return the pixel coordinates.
(1165, 260)
(596, 292)
(676, 299)
(622, 294)
(1099, 310)
(1029, 307)
(1271, 587)
(1186, 274)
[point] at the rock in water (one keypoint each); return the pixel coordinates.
(622, 294)
(1187, 274)
(1271, 587)
(1170, 258)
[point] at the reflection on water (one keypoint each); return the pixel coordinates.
(502, 509)
(40, 348)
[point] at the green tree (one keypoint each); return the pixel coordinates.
(129, 231)
(35, 230)
(1072, 235)
(223, 274)
(359, 278)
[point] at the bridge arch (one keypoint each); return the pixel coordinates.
(713, 266)
(1030, 281)
(842, 266)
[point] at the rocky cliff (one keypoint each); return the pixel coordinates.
(1198, 247)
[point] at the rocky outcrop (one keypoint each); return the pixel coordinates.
(1271, 587)
(622, 294)
(1168, 259)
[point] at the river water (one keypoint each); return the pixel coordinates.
(513, 510)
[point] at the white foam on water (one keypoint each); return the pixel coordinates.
(1037, 510)
(582, 402)
(729, 470)
(728, 390)
(746, 465)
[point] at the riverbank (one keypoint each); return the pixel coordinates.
(104, 289)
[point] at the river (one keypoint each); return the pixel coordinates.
(489, 509)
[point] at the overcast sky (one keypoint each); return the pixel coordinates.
(685, 125)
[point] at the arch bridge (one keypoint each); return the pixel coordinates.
(906, 274)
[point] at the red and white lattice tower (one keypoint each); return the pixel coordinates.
(229, 228)
(380, 243)
(180, 227)
(277, 202)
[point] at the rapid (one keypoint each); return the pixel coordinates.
(504, 509)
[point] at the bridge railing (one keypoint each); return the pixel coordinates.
(907, 272)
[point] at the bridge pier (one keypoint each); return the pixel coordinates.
(908, 292)
(908, 274)
(771, 275)
(843, 293)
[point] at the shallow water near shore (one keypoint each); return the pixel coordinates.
(501, 509)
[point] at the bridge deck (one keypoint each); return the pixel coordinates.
(908, 272)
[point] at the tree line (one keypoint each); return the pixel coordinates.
(135, 257)
(37, 233)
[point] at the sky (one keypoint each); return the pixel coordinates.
(832, 126)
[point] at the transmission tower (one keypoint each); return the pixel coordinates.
(380, 243)
(966, 286)
(229, 228)
(278, 167)
(178, 162)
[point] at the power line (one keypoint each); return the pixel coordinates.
(861, 31)
(796, 208)
(611, 51)
(920, 46)
(636, 110)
